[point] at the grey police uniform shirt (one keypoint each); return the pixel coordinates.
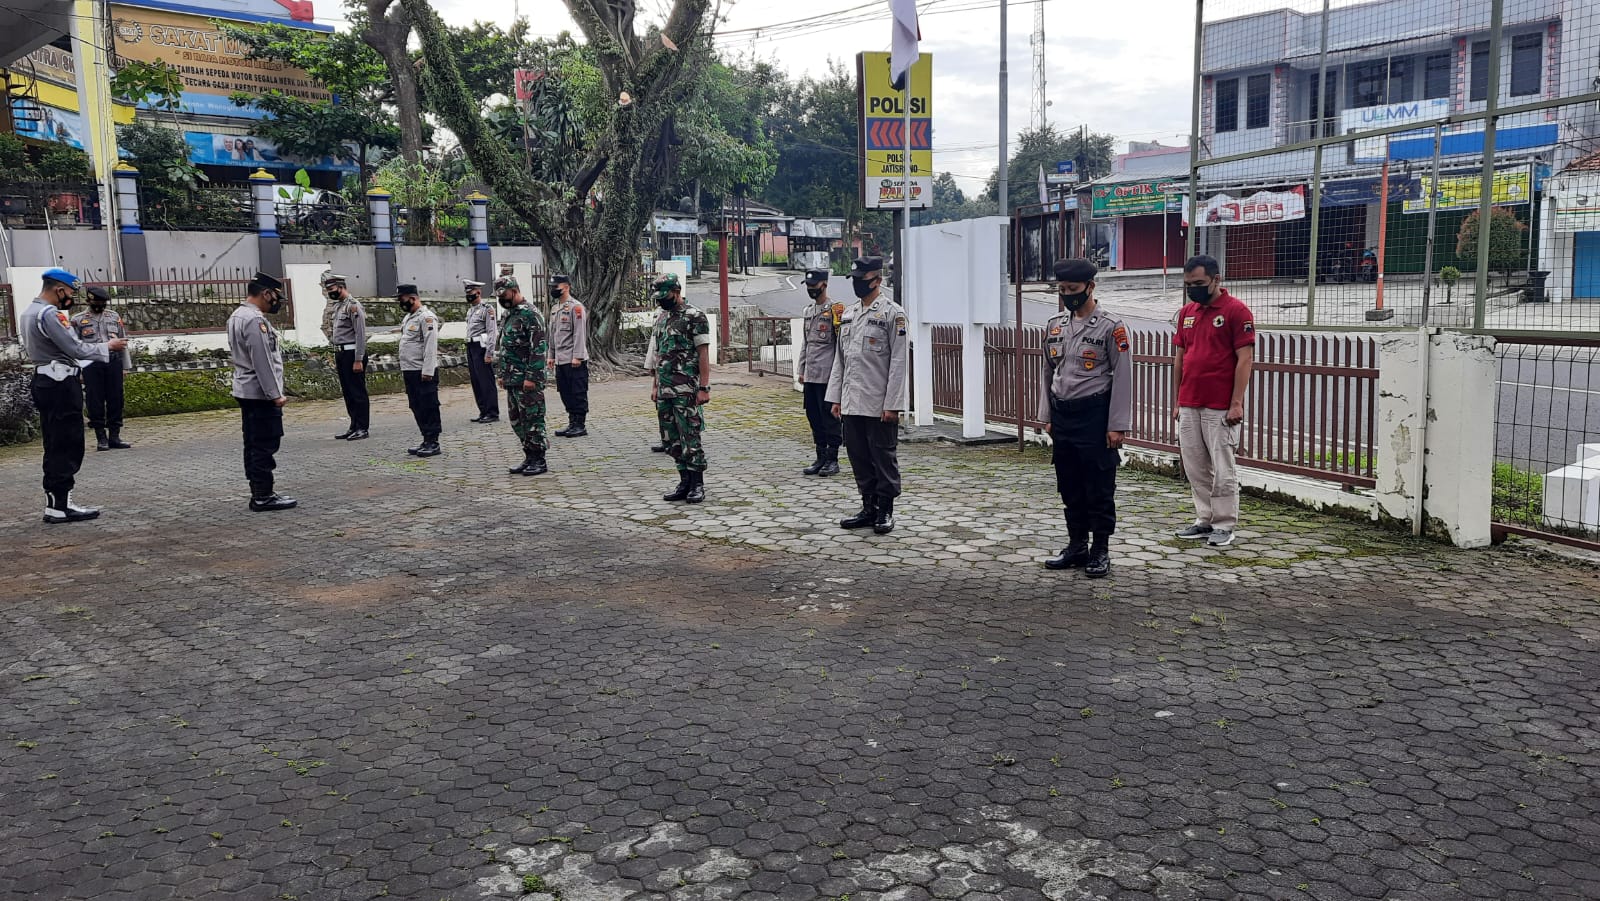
(48, 338)
(1086, 357)
(350, 326)
(257, 357)
(419, 341)
(481, 328)
(569, 332)
(95, 327)
(870, 367)
(819, 345)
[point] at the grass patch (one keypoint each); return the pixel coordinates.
(1518, 496)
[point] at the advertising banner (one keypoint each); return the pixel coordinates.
(1512, 187)
(1137, 198)
(51, 124)
(211, 65)
(208, 149)
(1421, 112)
(1262, 206)
(1577, 202)
(882, 143)
(1365, 191)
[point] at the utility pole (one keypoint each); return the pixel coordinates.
(1003, 181)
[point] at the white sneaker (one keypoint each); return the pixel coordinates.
(1220, 538)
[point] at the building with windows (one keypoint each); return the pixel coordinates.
(1386, 62)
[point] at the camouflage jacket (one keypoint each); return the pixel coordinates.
(523, 346)
(678, 339)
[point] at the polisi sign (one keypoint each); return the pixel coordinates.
(1420, 112)
(882, 144)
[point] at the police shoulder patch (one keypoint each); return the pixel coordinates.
(1249, 327)
(263, 324)
(62, 315)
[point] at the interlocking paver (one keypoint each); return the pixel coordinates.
(434, 679)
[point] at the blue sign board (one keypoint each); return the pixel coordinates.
(1066, 167)
(1364, 191)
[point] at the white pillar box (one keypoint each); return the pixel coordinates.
(127, 198)
(263, 186)
(1572, 493)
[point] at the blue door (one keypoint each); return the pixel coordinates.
(1586, 266)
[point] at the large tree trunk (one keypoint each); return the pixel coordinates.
(388, 32)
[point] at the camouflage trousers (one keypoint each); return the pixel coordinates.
(681, 425)
(527, 418)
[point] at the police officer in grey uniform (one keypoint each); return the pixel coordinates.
(821, 318)
(348, 332)
(102, 382)
(54, 350)
(419, 367)
(257, 356)
(569, 355)
(1086, 401)
(868, 388)
(482, 332)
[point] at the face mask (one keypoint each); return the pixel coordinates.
(666, 301)
(332, 292)
(97, 305)
(814, 293)
(1073, 302)
(555, 292)
(275, 305)
(405, 305)
(474, 297)
(863, 286)
(509, 303)
(1198, 293)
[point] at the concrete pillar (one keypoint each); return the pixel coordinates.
(135, 256)
(388, 271)
(1460, 447)
(1555, 250)
(263, 191)
(973, 401)
(797, 340)
(921, 372)
(478, 217)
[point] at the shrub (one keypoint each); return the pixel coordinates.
(1517, 496)
(18, 424)
(1507, 249)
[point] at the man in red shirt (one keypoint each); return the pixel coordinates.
(1215, 351)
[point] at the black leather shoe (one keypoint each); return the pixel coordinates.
(883, 523)
(562, 433)
(345, 434)
(830, 467)
(520, 468)
(272, 502)
(478, 418)
(682, 491)
(867, 517)
(115, 442)
(1073, 556)
(492, 417)
(697, 488)
(430, 449)
(536, 466)
(658, 448)
(816, 465)
(413, 450)
(1099, 565)
(100, 442)
(357, 435)
(578, 432)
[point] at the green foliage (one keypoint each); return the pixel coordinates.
(157, 85)
(814, 127)
(1449, 275)
(490, 55)
(162, 159)
(1046, 146)
(184, 391)
(1508, 248)
(422, 190)
(18, 424)
(950, 204)
(1518, 496)
(726, 145)
(63, 163)
(14, 157)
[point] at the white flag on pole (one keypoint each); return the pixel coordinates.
(907, 33)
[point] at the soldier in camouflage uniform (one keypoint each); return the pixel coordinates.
(683, 383)
(521, 353)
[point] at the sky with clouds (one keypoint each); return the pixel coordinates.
(1121, 66)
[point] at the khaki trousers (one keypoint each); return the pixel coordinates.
(1208, 444)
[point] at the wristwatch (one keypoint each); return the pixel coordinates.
(706, 388)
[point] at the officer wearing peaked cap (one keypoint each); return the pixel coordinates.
(54, 350)
(868, 389)
(569, 354)
(419, 367)
(821, 318)
(1086, 401)
(482, 334)
(258, 387)
(347, 329)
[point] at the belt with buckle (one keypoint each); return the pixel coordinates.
(57, 370)
(1080, 403)
(347, 347)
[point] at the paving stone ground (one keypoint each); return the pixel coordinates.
(437, 681)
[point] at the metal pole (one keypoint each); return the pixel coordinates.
(1533, 213)
(1383, 219)
(1316, 171)
(1016, 340)
(1194, 130)
(1486, 200)
(903, 262)
(1004, 179)
(722, 287)
(1433, 220)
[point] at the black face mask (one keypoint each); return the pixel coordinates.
(555, 292)
(1198, 293)
(275, 305)
(474, 297)
(668, 303)
(97, 306)
(510, 303)
(814, 293)
(333, 293)
(1073, 302)
(863, 286)
(405, 305)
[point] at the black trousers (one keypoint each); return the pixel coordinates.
(826, 429)
(484, 389)
(102, 393)
(60, 406)
(263, 433)
(353, 385)
(423, 398)
(1086, 470)
(572, 383)
(873, 445)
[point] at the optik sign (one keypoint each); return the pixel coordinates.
(1367, 118)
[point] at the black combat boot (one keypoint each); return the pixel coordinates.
(100, 442)
(1075, 554)
(697, 487)
(660, 447)
(536, 465)
(520, 468)
(357, 435)
(1099, 565)
(577, 428)
(562, 433)
(116, 442)
(867, 516)
(682, 491)
(816, 465)
(830, 465)
(883, 523)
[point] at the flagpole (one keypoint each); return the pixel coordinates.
(905, 237)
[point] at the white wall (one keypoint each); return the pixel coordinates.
(209, 254)
(82, 251)
(355, 261)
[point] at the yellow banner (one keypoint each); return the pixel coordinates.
(209, 62)
(883, 133)
(1460, 192)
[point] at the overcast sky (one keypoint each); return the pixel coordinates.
(1121, 66)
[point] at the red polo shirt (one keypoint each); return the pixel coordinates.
(1211, 335)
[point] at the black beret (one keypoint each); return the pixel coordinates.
(99, 293)
(1075, 270)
